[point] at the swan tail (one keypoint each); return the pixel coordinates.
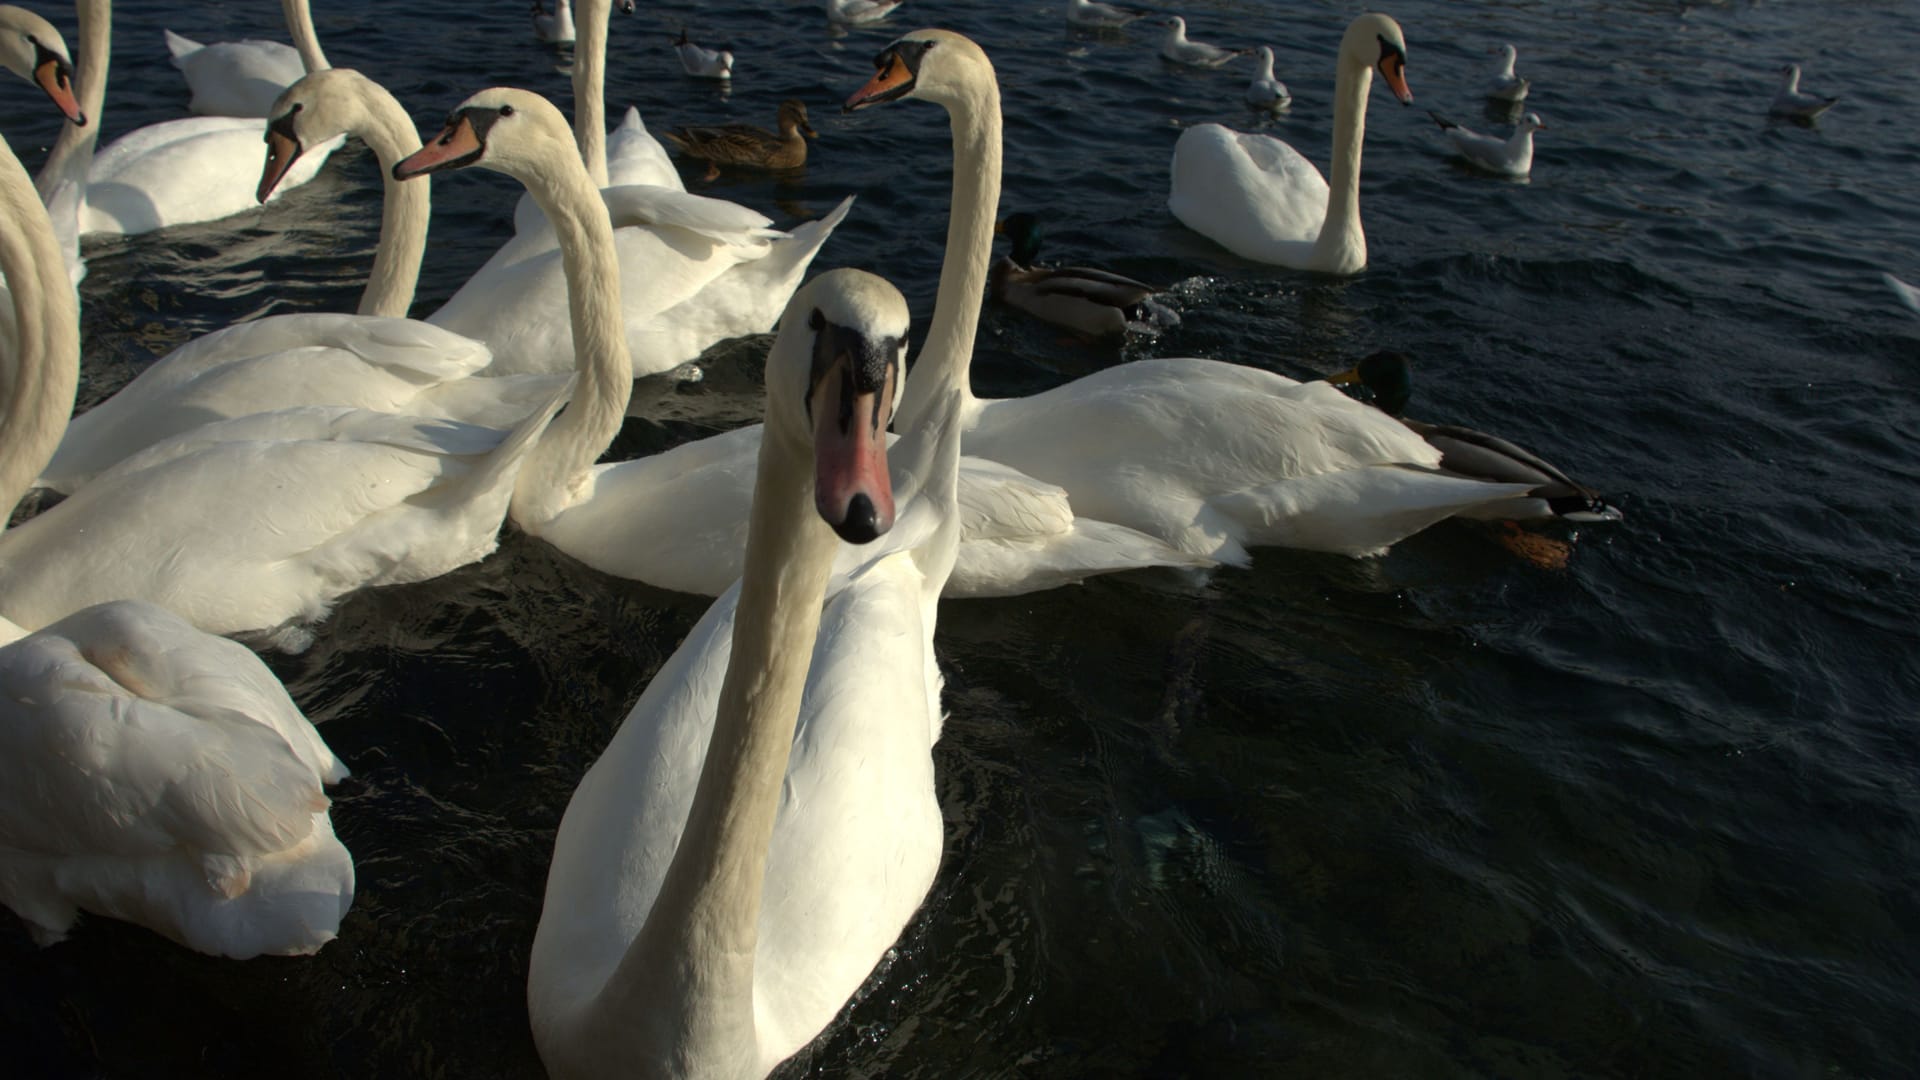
(181, 47)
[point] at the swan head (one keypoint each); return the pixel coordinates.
(1375, 42)
(1384, 380)
(33, 49)
(314, 109)
(932, 65)
(833, 375)
(516, 132)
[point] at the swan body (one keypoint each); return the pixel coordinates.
(555, 28)
(1260, 199)
(859, 12)
(1506, 86)
(1265, 92)
(764, 823)
(702, 62)
(634, 156)
(1093, 15)
(1175, 47)
(1794, 103)
(242, 78)
(1512, 156)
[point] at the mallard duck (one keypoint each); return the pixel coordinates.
(1793, 103)
(1091, 302)
(744, 144)
(1385, 380)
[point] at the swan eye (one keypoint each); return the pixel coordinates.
(506, 110)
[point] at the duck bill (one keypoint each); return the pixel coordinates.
(55, 76)
(893, 81)
(282, 151)
(457, 145)
(851, 489)
(1394, 71)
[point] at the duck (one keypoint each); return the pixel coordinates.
(1384, 379)
(1793, 103)
(149, 771)
(555, 28)
(1217, 458)
(1094, 15)
(1512, 156)
(33, 48)
(1262, 200)
(859, 12)
(242, 78)
(1266, 93)
(744, 144)
(678, 519)
(1176, 48)
(1092, 303)
(376, 359)
(1505, 85)
(701, 62)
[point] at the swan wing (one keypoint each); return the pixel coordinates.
(184, 171)
(634, 156)
(1251, 194)
(235, 78)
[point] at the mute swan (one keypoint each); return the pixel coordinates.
(1512, 156)
(1092, 303)
(1177, 48)
(1093, 15)
(554, 29)
(1265, 92)
(1258, 198)
(1217, 457)
(1794, 103)
(859, 12)
(765, 822)
(678, 519)
(1506, 86)
(744, 144)
(374, 360)
(242, 78)
(32, 48)
(702, 62)
(148, 771)
(631, 156)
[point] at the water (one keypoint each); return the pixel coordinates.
(1440, 813)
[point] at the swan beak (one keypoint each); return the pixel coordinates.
(1394, 70)
(457, 145)
(283, 149)
(55, 76)
(892, 80)
(850, 403)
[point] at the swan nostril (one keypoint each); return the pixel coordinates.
(861, 525)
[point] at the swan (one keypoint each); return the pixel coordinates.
(1177, 48)
(32, 48)
(374, 360)
(1906, 293)
(678, 519)
(1093, 15)
(630, 155)
(1217, 457)
(554, 29)
(1794, 103)
(148, 771)
(1512, 156)
(702, 62)
(1506, 86)
(242, 78)
(1092, 303)
(1265, 92)
(859, 12)
(765, 823)
(1260, 199)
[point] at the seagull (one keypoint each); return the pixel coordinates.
(1508, 157)
(1178, 49)
(856, 12)
(701, 62)
(1267, 93)
(1093, 15)
(1794, 103)
(1506, 86)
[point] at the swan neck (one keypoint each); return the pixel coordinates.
(695, 953)
(1341, 231)
(948, 353)
(300, 27)
(387, 130)
(72, 152)
(562, 459)
(589, 85)
(46, 369)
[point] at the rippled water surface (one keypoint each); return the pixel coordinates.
(1440, 813)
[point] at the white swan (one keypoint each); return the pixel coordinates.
(1794, 103)
(374, 360)
(1175, 47)
(765, 821)
(1217, 457)
(1506, 86)
(1265, 92)
(1260, 199)
(1094, 15)
(1511, 156)
(242, 78)
(1907, 294)
(555, 28)
(702, 62)
(148, 771)
(678, 519)
(859, 12)
(32, 48)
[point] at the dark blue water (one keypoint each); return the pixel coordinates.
(1441, 813)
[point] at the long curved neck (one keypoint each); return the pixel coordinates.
(693, 958)
(560, 462)
(72, 151)
(47, 353)
(1341, 230)
(589, 85)
(300, 28)
(948, 353)
(385, 127)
